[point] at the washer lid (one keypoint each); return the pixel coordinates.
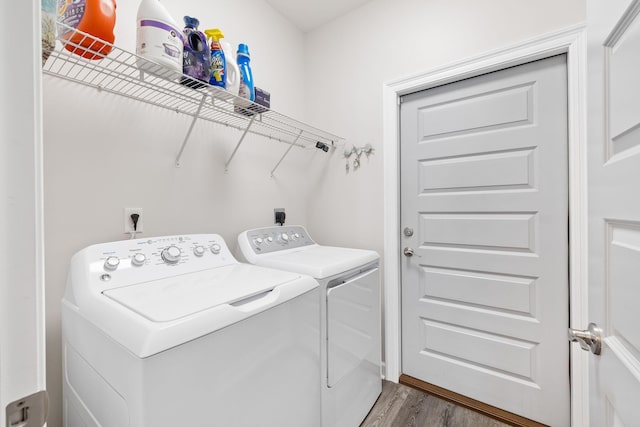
(318, 261)
(180, 296)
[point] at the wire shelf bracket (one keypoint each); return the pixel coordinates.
(285, 153)
(193, 123)
(235, 150)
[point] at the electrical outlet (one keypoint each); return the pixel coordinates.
(279, 216)
(128, 222)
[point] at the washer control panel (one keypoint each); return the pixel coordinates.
(273, 239)
(129, 261)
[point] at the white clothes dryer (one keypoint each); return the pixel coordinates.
(174, 331)
(350, 314)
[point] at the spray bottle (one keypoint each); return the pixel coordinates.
(217, 74)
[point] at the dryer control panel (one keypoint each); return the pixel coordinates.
(273, 239)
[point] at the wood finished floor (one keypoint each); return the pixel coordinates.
(402, 406)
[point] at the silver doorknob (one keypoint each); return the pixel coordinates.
(590, 339)
(408, 251)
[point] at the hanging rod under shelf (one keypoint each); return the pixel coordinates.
(123, 73)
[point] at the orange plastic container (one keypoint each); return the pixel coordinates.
(94, 17)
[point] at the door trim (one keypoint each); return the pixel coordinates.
(572, 41)
(22, 291)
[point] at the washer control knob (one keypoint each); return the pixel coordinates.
(171, 255)
(198, 251)
(295, 236)
(138, 259)
(111, 263)
(215, 248)
(258, 241)
(283, 238)
(269, 239)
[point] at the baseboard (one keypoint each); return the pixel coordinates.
(458, 399)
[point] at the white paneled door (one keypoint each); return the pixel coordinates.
(614, 209)
(484, 217)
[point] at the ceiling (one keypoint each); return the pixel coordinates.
(310, 14)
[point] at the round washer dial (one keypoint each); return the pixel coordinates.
(138, 259)
(171, 254)
(111, 263)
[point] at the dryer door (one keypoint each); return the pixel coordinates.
(353, 325)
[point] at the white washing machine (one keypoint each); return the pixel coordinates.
(350, 314)
(173, 331)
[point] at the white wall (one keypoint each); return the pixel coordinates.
(349, 60)
(104, 153)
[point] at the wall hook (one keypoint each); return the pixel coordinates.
(366, 149)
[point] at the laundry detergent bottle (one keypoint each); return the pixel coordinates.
(158, 38)
(246, 89)
(232, 72)
(196, 60)
(217, 71)
(94, 17)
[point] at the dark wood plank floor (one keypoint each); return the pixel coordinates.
(402, 406)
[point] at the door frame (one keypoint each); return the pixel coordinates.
(22, 292)
(570, 41)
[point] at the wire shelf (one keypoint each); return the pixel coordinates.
(111, 69)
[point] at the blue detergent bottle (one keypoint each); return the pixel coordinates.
(247, 89)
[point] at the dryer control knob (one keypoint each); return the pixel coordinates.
(171, 255)
(295, 236)
(198, 250)
(138, 259)
(215, 248)
(258, 241)
(284, 238)
(111, 263)
(269, 239)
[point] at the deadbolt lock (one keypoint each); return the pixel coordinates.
(408, 231)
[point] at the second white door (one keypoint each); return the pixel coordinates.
(484, 208)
